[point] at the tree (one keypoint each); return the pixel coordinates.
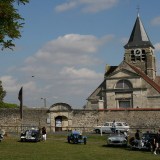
(2, 92)
(10, 22)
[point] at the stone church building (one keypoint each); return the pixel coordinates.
(130, 92)
(134, 83)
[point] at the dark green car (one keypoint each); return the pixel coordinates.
(75, 137)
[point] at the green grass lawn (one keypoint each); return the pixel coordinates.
(57, 148)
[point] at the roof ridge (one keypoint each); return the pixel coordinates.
(145, 77)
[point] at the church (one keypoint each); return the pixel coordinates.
(133, 83)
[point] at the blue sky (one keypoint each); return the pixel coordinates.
(66, 44)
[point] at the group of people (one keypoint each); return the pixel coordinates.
(155, 141)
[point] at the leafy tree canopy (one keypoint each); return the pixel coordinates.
(10, 22)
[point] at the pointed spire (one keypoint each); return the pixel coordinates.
(139, 37)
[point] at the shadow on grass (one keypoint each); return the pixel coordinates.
(127, 148)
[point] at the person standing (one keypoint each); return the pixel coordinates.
(138, 139)
(113, 127)
(137, 135)
(44, 136)
(157, 142)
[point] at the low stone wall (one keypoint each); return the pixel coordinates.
(86, 119)
(10, 119)
(142, 119)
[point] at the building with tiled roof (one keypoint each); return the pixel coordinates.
(134, 83)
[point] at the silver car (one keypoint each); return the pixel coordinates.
(117, 140)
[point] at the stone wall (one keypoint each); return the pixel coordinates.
(11, 122)
(86, 119)
(138, 118)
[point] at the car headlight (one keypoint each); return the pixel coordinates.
(109, 140)
(124, 141)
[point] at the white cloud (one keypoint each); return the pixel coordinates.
(80, 73)
(71, 49)
(66, 6)
(12, 84)
(124, 40)
(157, 47)
(64, 67)
(91, 6)
(156, 21)
(9, 83)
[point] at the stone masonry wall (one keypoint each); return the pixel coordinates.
(148, 119)
(11, 122)
(86, 119)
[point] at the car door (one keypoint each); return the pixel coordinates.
(119, 126)
(107, 127)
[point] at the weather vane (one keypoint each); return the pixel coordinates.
(138, 9)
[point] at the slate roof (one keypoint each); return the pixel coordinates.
(138, 37)
(110, 70)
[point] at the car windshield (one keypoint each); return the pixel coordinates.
(75, 132)
(115, 134)
(149, 135)
(125, 124)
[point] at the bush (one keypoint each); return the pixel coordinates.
(8, 105)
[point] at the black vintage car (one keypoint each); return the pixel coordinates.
(31, 135)
(2, 133)
(1, 137)
(146, 143)
(75, 137)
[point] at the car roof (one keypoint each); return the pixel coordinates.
(116, 122)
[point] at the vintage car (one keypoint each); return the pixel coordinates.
(107, 127)
(31, 135)
(146, 142)
(117, 140)
(1, 137)
(2, 133)
(76, 137)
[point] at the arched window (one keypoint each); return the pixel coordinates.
(123, 84)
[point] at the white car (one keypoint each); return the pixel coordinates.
(117, 140)
(107, 127)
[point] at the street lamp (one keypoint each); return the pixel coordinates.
(44, 99)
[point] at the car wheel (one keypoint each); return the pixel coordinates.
(76, 140)
(68, 140)
(151, 148)
(97, 131)
(85, 141)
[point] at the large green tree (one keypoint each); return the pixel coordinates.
(10, 22)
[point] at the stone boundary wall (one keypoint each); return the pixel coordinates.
(11, 122)
(86, 119)
(146, 119)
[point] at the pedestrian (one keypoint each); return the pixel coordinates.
(137, 135)
(44, 136)
(113, 127)
(157, 142)
(138, 139)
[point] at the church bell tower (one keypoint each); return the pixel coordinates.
(139, 51)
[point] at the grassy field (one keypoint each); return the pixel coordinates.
(57, 148)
